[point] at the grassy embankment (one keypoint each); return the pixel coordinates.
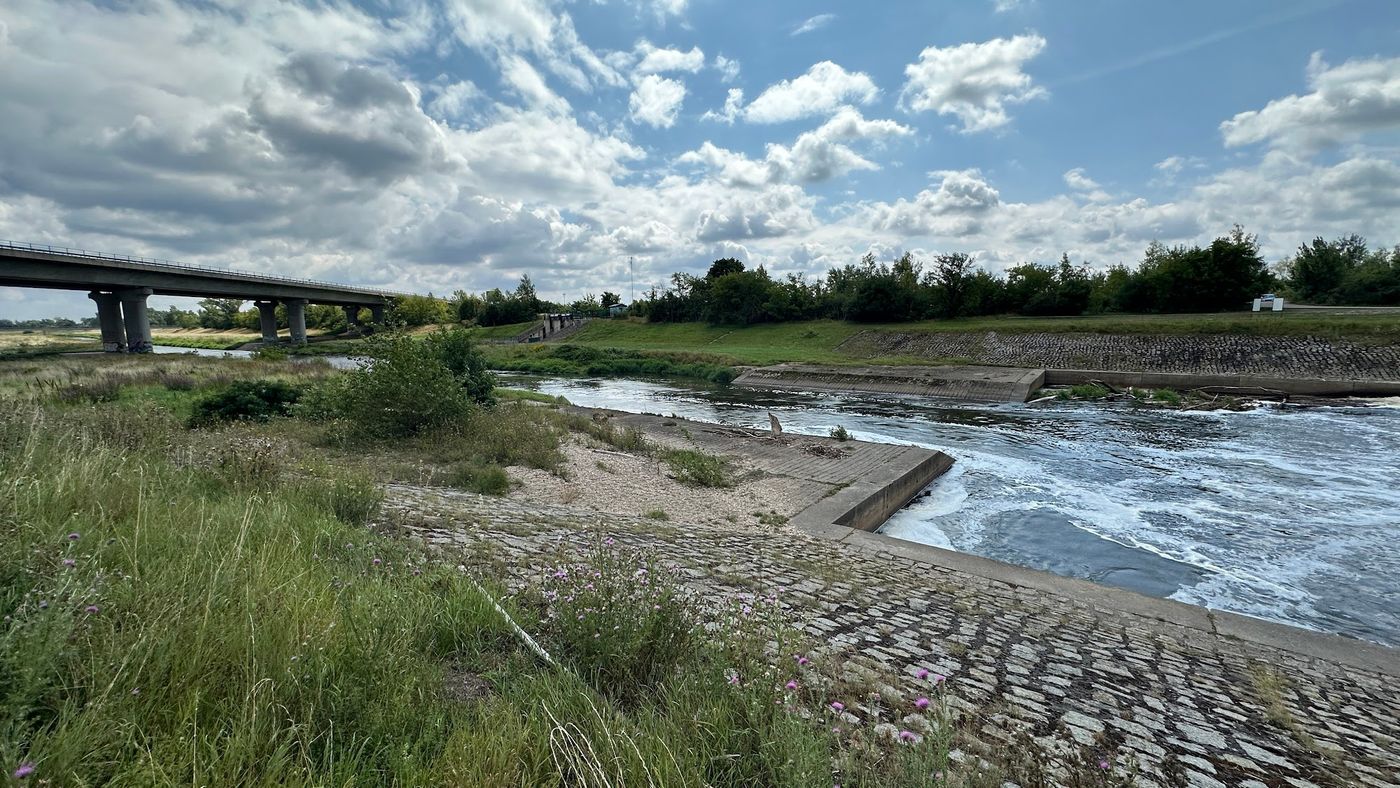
(206, 606)
(37, 344)
(697, 350)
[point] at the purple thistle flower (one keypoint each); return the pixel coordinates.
(922, 674)
(837, 705)
(908, 736)
(803, 661)
(921, 704)
(90, 609)
(25, 769)
(792, 685)
(1103, 765)
(377, 562)
(73, 537)
(69, 562)
(939, 678)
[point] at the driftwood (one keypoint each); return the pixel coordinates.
(1101, 384)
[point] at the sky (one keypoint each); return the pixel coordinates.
(460, 144)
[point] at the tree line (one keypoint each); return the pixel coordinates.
(1223, 275)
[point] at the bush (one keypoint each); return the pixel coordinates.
(455, 350)
(401, 389)
(619, 619)
(484, 478)
(839, 433)
(246, 400)
(698, 468)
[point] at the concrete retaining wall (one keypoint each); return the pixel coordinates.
(970, 383)
(1185, 381)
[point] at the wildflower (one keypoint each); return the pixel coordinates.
(921, 704)
(73, 537)
(792, 685)
(609, 541)
(25, 769)
(837, 705)
(734, 680)
(90, 609)
(1103, 765)
(939, 678)
(922, 674)
(376, 562)
(836, 730)
(908, 736)
(803, 661)
(69, 562)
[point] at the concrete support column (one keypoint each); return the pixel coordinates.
(352, 318)
(267, 319)
(138, 323)
(109, 320)
(296, 319)
(376, 314)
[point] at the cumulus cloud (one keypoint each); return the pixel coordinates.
(813, 23)
(974, 82)
(1079, 181)
(820, 91)
(659, 60)
(728, 68)
(733, 103)
(954, 207)
(817, 155)
(656, 101)
(1347, 101)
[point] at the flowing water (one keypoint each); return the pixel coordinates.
(1285, 513)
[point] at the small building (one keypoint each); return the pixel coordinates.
(617, 310)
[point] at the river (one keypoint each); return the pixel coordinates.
(1285, 513)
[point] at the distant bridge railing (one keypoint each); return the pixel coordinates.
(22, 246)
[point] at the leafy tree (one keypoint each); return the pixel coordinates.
(416, 310)
(951, 274)
(219, 312)
(1317, 271)
(610, 299)
(724, 267)
(525, 294)
(738, 298)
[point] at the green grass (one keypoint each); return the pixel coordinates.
(698, 468)
(598, 361)
(816, 341)
(208, 607)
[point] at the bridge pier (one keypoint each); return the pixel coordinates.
(138, 323)
(352, 319)
(267, 320)
(376, 314)
(109, 320)
(296, 319)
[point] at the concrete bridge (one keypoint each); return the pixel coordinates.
(120, 285)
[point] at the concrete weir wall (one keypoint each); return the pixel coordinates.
(1182, 381)
(980, 384)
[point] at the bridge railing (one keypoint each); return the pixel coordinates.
(23, 246)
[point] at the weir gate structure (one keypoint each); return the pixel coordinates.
(120, 285)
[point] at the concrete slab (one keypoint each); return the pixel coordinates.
(984, 384)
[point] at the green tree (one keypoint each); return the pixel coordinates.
(1317, 271)
(724, 267)
(219, 312)
(951, 274)
(610, 298)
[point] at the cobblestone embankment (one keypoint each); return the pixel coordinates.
(1220, 354)
(1190, 707)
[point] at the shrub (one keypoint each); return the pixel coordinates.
(455, 350)
(619, 619)
(698, 468)
(353, 501)
(839, 433)
(246, 400)
(484, 478)
(401, 389)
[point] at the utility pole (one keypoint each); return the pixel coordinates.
(632, 279)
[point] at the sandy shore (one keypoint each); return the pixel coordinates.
(606, 480)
